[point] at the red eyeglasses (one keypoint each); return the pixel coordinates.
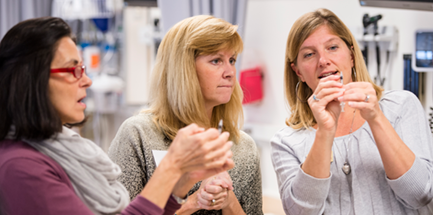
(77, 71)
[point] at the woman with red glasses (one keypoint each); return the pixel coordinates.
(46, 168)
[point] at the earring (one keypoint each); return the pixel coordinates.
(353, 73)
(296, 91)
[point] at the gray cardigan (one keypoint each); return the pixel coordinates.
(366, 190)
(132, 149)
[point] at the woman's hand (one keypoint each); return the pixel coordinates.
(190, 178)
(327, 110)
(213, 193)
(362, 96)
(194, 149)
(194, 154)
(397, 157)
(197, 154)
(216, 187)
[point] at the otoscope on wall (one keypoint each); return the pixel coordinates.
(367, 21)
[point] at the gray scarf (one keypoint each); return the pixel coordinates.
(92, 173)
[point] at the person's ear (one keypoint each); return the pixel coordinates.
(294, 68)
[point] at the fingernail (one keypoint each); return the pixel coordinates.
(350, 103)
(340, 98)
(230, 143)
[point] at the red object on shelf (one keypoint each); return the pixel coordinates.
(251, 84)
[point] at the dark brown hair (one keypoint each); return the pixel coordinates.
(26, 52)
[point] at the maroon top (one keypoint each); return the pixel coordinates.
(33, 183)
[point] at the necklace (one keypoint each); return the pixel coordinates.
(346, 166)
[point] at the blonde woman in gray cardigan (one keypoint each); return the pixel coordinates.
(194, 81)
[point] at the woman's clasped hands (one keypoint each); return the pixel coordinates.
(362, 97)
(329, 93)
(214, 192)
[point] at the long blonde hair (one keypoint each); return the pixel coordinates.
(176, 97)
(301, 114)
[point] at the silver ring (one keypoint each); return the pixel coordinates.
(212, 202)
(315, 98)
(367, 97)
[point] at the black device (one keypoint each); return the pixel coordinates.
(366, 22)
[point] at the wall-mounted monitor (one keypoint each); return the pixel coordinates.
(422, 59)
(400, 4)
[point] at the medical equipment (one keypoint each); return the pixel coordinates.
(422, 59)
(380, 47)
(367, 21)
(411, 78)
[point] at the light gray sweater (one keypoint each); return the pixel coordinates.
(132, 149)
(366, 190)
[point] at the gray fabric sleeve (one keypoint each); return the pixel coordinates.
(253, 197)
(300, 193)
(124, 151)
(414, 189)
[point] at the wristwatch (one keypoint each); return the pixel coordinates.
(180, 200)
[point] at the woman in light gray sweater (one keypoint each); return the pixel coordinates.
(194, 82)
(349, 148)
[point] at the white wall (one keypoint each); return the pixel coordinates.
(267, 26)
